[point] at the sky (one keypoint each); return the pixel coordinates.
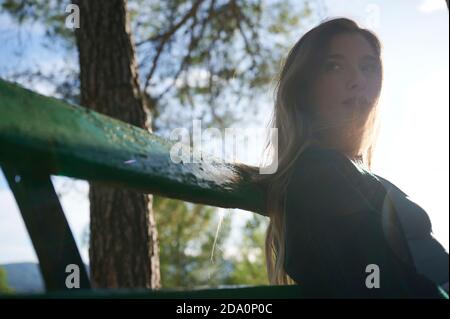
(412, 150)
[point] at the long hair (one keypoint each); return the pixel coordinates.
(297, 129)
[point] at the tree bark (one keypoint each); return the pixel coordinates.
(123, 242)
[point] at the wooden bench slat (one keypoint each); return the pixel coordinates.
(47, 226)
(59, 138)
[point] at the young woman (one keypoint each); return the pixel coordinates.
(335, 227)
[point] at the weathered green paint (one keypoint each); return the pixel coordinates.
(53, 136)
(47, 226)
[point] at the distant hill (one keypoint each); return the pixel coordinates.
(24, 277)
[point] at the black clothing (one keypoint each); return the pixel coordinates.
(338, 221)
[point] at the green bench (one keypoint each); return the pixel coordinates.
(42, 136)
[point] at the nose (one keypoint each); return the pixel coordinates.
(356, 80)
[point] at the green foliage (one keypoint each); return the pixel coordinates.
(186, 235)
(51, 13)
(249, 264)
(4, 283)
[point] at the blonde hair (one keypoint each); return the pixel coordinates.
(297, 129)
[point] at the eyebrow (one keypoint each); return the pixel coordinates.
(341, 57)
(335, 56)
(371, 58)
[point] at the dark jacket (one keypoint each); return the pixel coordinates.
(340, 224)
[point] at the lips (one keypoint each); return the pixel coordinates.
(361, 101)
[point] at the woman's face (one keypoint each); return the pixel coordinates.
(347, 86)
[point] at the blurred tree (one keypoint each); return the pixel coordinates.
(123, 250)
(201, 58)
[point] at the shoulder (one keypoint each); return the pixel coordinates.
(415, 220)
(315, 151)
(317, 164)
(324, 182)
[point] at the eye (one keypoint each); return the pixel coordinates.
(331, 66)
(370, 68)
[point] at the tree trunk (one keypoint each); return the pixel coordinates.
(123, 242)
